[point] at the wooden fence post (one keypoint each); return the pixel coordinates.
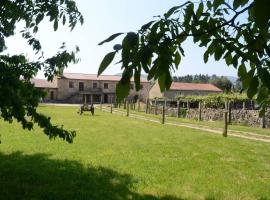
(155, 107)
(163, 113)
(178, 109)
(225, 130)
(229, 112)
(127, 108)
(111, 106)
(262, 122)
(125, 104)
(134, 105)
(139, 105)
(200, 111)
(101, 103)
(146, 106)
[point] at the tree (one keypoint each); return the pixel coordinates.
(236, 31)
(18, 97)
(223, 83)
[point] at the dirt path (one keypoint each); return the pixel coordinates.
(239, 134)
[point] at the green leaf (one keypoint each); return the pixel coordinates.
(137, 79)
(55, 25)
(122, 90)
(177, 58)
(106, 62)
(171, 11)
(262, 95)
(161, 82)
(112, 37)
(218, 52)
(253, 87)
(132, 39)
(205, 57)
(200, 10)
(189, 11)
(238, 3)
(261, 13)
(242, 71)
(39, 18)
(146, 26)
(217, 3)
(228, 58)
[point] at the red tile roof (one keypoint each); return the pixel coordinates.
(78, 76)
(194, 87)
(42, 83)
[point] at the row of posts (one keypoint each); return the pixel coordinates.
(132, 105)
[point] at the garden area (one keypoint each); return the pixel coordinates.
(116, 158)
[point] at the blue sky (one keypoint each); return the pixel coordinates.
(104, 18)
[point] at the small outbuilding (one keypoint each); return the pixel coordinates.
(184, 89)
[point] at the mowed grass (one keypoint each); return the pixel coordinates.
(118, 158)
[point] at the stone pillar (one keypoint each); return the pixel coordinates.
(244, 105)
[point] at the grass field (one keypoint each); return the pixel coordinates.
(118, 158)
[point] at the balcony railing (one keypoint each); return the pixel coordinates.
(92, 90)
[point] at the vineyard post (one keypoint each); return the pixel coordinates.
(178, 109)
(225, 130)
(200, 111)
(163, 113)
(127, 108)
(262, 121)
(155, 107)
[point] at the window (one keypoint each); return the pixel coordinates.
(131, 86)
(81, 86)
(106, 85)
(94, 85)
(71, 85)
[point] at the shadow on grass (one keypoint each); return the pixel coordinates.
(39, 177)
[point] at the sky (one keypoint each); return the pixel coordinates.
(103, 18)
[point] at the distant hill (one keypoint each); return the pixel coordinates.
(233, 79)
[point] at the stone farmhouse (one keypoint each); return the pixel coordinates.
(87, 88)
(183, 89)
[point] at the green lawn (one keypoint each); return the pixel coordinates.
(212, 124)
(119, 158)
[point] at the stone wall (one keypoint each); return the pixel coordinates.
(245, 117)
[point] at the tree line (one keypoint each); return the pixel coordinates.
(221, 82)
